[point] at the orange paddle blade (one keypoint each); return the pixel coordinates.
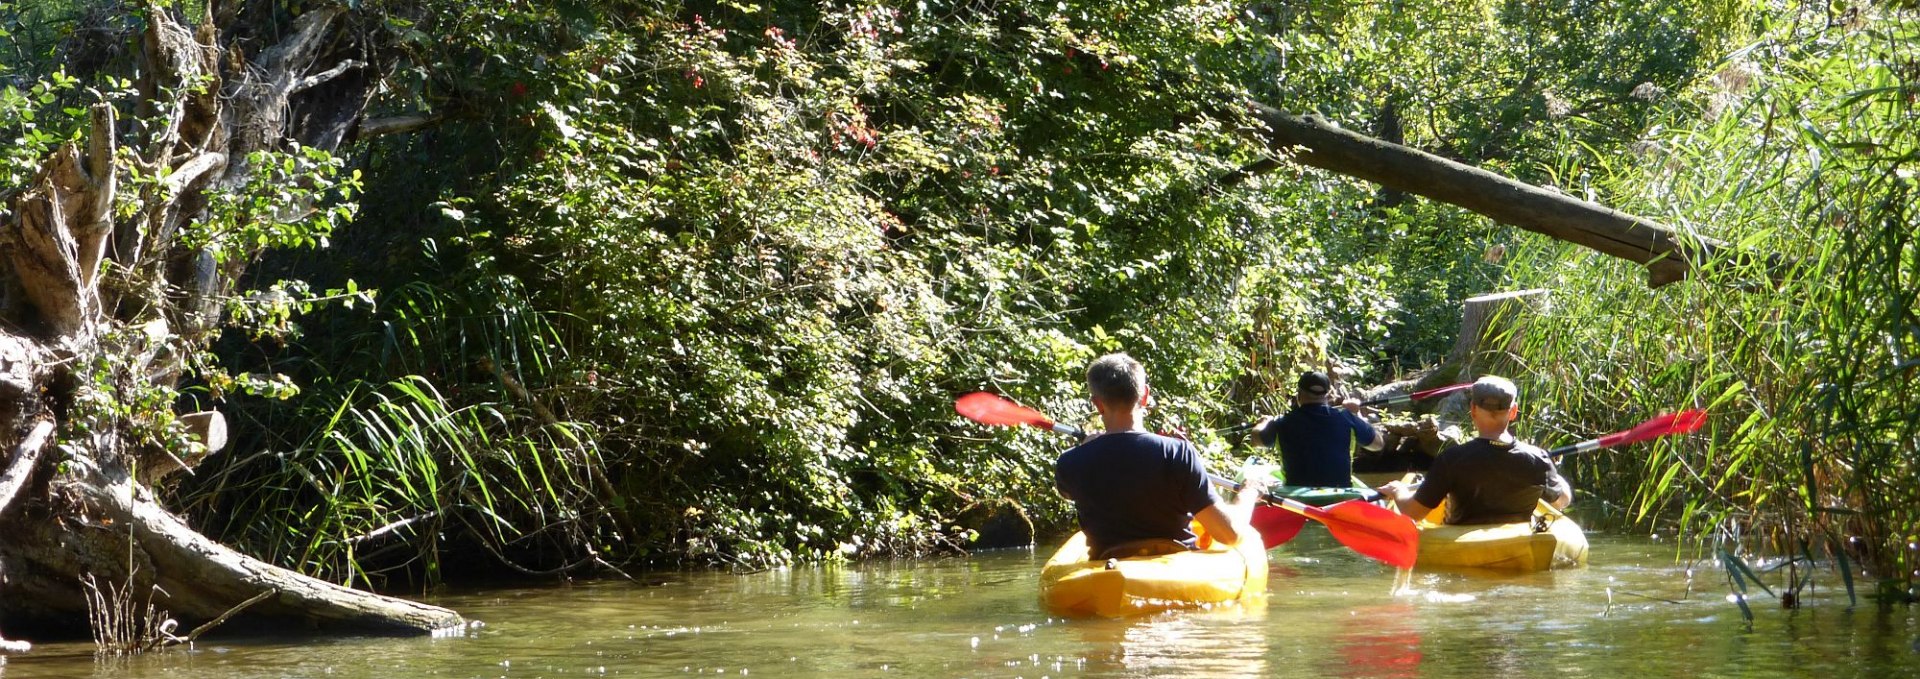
(994, 409)
(1374, 531)
(1684, 422)
(1276, 525)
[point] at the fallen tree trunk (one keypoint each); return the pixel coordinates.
(1312, 141)
(99, 520)
(102, 308)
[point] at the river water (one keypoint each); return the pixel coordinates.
(1630, 614)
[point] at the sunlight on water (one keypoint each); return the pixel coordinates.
(1329, 613)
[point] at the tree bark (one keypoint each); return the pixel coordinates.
(71, 504)
(1484, 319)
(1312, 141)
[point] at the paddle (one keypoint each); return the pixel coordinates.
(1683, 422)
(1373, 403)
(1416, 396)
(1369, 529)
(1364, 527)
(994, 409)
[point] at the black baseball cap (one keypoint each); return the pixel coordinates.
(1314, 383)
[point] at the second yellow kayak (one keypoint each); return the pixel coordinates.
(1550, 540)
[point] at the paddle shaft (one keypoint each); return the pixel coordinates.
(1395, 399)
(1580, 447)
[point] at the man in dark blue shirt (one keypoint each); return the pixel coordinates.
(1315, 439)
(1137, 492)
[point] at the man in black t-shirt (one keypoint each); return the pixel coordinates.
(1316, 439)
(1491, 479)
(1136, 492)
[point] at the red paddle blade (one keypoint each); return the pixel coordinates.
(994, 409)
(1276, 525)
(1374, 531)
(1441, 391)
(1683, 422)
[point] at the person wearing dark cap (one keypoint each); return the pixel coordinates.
(1316, 439)
(1136, 492)
(1494, 478)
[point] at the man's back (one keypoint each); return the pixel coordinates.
(1131, 485)
(1485, 481)
(1316, 444)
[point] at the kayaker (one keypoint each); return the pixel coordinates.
(1137, 492)
(1494, 478)
(1316, 439)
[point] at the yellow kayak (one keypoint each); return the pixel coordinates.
(1504, 546)
(1072, 586)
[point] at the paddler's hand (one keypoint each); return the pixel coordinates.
(1259, 438)
(1398, 491)
(1250, 493)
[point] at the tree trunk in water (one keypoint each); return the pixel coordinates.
(1314, 142)
(1489, 326)
(96, 305)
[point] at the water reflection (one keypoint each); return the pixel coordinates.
(1329, 614)
(1379, 641)
(1229, 643)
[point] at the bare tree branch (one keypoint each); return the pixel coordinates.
(191, 170)
(92, 224)
(20, 468)
(380, 127)
(329, 74)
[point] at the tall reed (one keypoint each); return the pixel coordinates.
(1801, 147)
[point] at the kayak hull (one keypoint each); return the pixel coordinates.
(1073, 586)
(1512, 547)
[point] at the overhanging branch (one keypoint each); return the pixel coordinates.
(1309, 140)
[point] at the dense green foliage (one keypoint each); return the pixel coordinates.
(690, 281)
(744, 256)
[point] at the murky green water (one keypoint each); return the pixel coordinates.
(1330, 614)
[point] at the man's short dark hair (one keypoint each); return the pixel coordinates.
(1493, 393)
(1314, 383)
(1116, 380)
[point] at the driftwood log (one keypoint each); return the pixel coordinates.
(97, 301)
